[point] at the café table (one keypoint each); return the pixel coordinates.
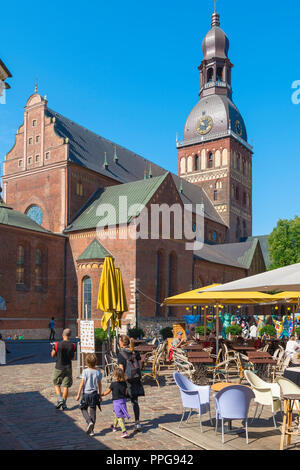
(145, 348)
(290, 401)
(293, 374)
(261, 365)
(259, 355)
(242, 347)
(192, 347)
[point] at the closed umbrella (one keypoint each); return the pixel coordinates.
(121, 300)
(108, 293)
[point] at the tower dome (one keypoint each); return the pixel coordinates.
(216, 43)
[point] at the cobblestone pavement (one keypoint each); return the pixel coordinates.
(29, 420)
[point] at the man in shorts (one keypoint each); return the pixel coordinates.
(64, 351)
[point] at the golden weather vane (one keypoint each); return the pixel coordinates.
(215, 2)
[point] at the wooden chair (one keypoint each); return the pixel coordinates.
(183, 365)
(153, 371)
(226, 370)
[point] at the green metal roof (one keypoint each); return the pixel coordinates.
(263, 240)
(9, 216)
(94, 251)
(110, 199)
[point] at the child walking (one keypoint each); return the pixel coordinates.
(118, 388)
(92, 390)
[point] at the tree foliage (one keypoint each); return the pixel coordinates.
(284, 243)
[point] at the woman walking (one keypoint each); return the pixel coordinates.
(129, 360)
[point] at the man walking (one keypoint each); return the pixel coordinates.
(65, 352)
(52, 331)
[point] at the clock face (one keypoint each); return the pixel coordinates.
(238, 128)
(35, 213)
(204, 125)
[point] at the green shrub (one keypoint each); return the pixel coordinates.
(268, 330)
(166, 332)
(200, 330)
(101, 336)
(297, 330)
(234, 330)
(136, 333)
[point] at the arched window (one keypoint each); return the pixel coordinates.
(219, 74)
(238, 228)
(210, 161)
(190, 164)
(182, 165)
(244, 228)
(38, 268)
(196, 163)
(20, 272)
(86, 298)
(210, 74)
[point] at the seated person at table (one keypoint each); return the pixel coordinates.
(295, 360)
(292, 346)
(176, 343)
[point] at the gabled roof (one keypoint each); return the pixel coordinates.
(263, 240)
(94, 251)
(88, 149)
(231, 254)
(139, 192)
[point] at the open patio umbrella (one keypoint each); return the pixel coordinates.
(198, 297)
(121, 300)
(287, 278)
(108, 293)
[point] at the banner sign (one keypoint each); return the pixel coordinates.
(87, 336)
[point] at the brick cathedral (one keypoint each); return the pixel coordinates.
(58, 174)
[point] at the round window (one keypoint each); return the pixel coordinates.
(35, 213)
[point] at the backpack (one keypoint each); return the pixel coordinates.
(132, 369)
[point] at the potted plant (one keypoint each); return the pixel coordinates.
(199, 330)
(297, 331)
(233, 331)
(166, 332)
(268, 331)
(136, 333)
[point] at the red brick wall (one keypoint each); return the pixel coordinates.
(228, 208)
(31, 307)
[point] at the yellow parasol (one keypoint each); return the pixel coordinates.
(200, 297)
(108, 293)
(121, 302)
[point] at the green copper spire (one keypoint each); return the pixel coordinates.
(115, 154)
(105, 160)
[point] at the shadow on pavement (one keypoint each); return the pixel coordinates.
(35, 423)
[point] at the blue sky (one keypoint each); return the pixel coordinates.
(128, 71)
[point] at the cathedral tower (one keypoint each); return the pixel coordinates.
(214, 152)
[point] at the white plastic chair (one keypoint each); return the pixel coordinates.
(288, 387)
(266, 394)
